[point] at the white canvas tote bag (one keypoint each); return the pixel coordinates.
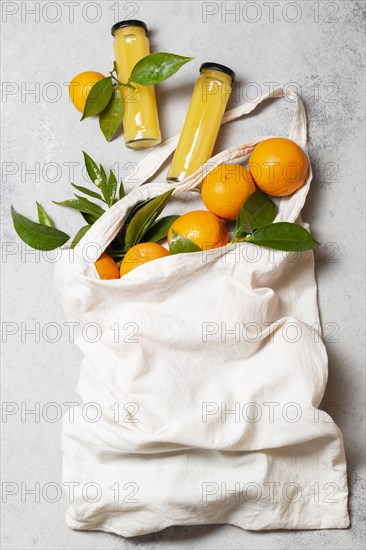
(201, 379)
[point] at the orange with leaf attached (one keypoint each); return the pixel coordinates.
(80, 87)
(225, 189)
(203, 228)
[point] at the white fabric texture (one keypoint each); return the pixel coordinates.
(206, 402)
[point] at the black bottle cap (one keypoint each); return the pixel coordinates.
(128, 23)
(218, 67)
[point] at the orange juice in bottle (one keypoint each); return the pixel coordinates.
(203, 120)
(140, 119)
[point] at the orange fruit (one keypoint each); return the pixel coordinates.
(279, 166)
(141, 254)
(225, 189)
(80, 87)
(203, 228)
(107, 267)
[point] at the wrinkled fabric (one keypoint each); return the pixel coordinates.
(201, 381)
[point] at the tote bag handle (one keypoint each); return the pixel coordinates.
(107, 226)
(152, 162)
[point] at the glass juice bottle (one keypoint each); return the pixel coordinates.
(203, 120)
(140, 119)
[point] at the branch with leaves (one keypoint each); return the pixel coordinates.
(105, 98)
(141, 223)
(255, 224)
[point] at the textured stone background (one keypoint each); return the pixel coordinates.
(316, 46)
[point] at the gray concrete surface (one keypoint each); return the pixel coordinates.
(316, 46)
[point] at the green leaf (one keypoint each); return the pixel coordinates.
(79, 235)
(179, 244)
(104, 184)
(103, 172)
(144, 218)
(159, 229)
(94, 172)
(83, 205)
(89, 218)
(111, 117)
(36, 235)
(43, 217)
(122, 233)
(156, 67)
(258, 210)
(284, 236)
(109, 189)
(98, 97)
(121, 192)
(89, 207)
(132, 211)
(87, 191)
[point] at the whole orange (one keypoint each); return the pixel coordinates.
(279, 166)
(141, 254)
(107, 267)
(80, 87)
(203, 228)
(225, 189)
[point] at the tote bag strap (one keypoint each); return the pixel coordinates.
(152, 162)
(108, 225)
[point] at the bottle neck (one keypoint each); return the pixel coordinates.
(125, 31)
(217, 75)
